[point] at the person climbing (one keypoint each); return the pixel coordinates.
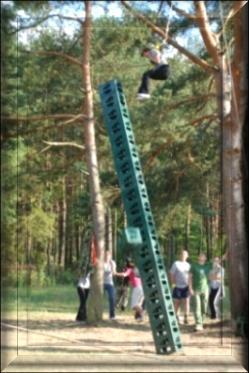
(160, 71)
(179, 276)
(137, 295)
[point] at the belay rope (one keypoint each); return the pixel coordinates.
(168, 23)
(167, 26)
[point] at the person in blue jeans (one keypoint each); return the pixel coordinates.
(160, 71)
(109, 272)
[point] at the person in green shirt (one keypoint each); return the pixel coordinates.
(199, 289)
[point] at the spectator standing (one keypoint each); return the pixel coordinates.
(216, 291)
(109, 272)
(179, 276)
(199, 288)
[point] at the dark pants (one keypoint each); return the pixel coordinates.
(122, 301)
(212, 295)
(83, 294)
(160, 72)
(111, 298)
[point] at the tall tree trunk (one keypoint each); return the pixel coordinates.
(49, 246)
(207, 221)
(211, 235)
(206, 226)
(29, 256)
(171, 249)
(114, 234)
(234, 218)
(108, 230)
(200, 247)
(95, 298)
(77, 241)
(232, 113)
(69, 225)
(56, 238)
(187, 228)
(62, 225)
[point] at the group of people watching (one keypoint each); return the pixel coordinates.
(204, 281)
(130, 273)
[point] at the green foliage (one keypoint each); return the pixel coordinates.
(179, 159)
(40, 222)
(66, 277)
(59, 298)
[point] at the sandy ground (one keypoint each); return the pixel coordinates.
(54, 334)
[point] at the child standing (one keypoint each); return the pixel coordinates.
(160, 71)
(137, 295)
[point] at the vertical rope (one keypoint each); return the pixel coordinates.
(168, 23)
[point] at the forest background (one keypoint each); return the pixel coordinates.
(48, 219)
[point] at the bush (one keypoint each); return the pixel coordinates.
(65, 277)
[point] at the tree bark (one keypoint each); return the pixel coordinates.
(233, 173)
(231, 112)
(69, 225)
(62, 225)
(95, 298)
(187, 229)
(108, 231)
(77, 241)
(114, 234)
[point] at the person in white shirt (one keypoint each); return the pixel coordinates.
(179, 276)
(83, 288)
(109, 272)
(216, 288)
(160, 70)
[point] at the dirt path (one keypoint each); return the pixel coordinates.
(57, 333)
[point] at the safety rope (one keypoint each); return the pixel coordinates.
(168, 23)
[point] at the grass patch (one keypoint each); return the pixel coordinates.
(59, 298)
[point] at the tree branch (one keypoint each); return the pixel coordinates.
(195, 59)
(181, 12)
(201, 98)
(24, 132)
(36, 129)
(77, 19)
(38, 22)
(18, 119)
(41, 20)
(237, 5)
(205, 117)
(210, 39)
(52, 143)
(156, 152)
(67, 57)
